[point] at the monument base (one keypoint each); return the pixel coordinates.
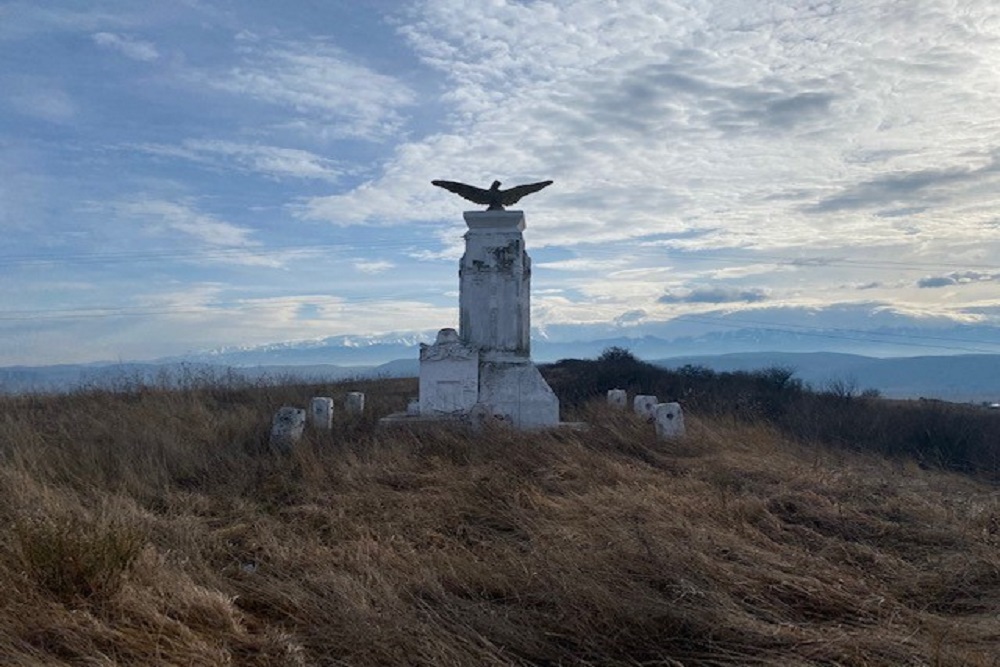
(458, 382)
(517, 392)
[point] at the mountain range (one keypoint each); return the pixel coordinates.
(957, 377)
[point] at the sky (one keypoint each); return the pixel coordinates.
(181, 176)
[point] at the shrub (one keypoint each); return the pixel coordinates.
(76, 560)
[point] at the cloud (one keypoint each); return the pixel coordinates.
(373, 266)
(319, 82)
(26, 20)
(38, 99)
(904, 188)
(651, 120)
(271, 161)
(130, 48)
(168, 215)
(714, 295)
(957, 278)
(631, 317)
(215, 241)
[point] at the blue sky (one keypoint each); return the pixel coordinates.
(179, 176)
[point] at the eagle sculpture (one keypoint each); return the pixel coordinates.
(494, 198)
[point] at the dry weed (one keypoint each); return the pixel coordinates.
(153, 527)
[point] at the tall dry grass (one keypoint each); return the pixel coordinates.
(154, 527)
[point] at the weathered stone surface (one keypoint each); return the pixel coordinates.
(495, 285)
(321, 412)
(669, 421)
(518, 392)
(484, 415)
(354, 403)
(617, 398)
(645, 406)
(287, 427)
(483, 372)
(449, 376)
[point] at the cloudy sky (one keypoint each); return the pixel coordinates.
(184, 175)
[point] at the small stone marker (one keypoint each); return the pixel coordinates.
(287, 427)
(354, 403)
(669, 421)
(617, 398)
(321, 412)
(645, 406)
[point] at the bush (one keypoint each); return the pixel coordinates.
(76, 560)
(936, 433)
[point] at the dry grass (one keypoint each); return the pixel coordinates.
(153, 527)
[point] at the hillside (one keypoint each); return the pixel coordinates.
(153, 527)
(961, 377)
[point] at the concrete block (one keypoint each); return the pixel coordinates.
(644, 405)
(321, 413)
(287, 427)
(669, 421)
(518, 392)
(354, 403)
(617, 398)
(449, 376)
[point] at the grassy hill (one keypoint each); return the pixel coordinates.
(154, 527)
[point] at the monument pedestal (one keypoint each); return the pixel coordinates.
(517, 392)
(485, 369)
(449, 376)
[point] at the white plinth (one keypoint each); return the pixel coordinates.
(645, 406)
(503, 220)
(669, 421)
(519, 393)
(321, 412)
(617, 398)
(449, 376)
(354, 403)
(287, 427)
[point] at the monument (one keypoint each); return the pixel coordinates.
(484, 370)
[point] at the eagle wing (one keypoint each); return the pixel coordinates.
(511, 196)
(470, 192)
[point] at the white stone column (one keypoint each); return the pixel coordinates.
(645, 406)
(617, 398)
(321, 412)
(287, 427)
(494, 309)
(669, 421)
(354, 403)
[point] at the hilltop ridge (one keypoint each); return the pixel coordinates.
(152, 526)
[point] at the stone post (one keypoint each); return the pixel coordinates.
(617, 398)
(669, 421)
(321, 413)
(354, 403)
(645, 406)
(287, 427)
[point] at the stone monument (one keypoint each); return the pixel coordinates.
(485, 367)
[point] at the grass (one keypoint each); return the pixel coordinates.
(151, 526)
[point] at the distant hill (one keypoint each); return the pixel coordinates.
(68, 377)
(959, 378)
(969, 377)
